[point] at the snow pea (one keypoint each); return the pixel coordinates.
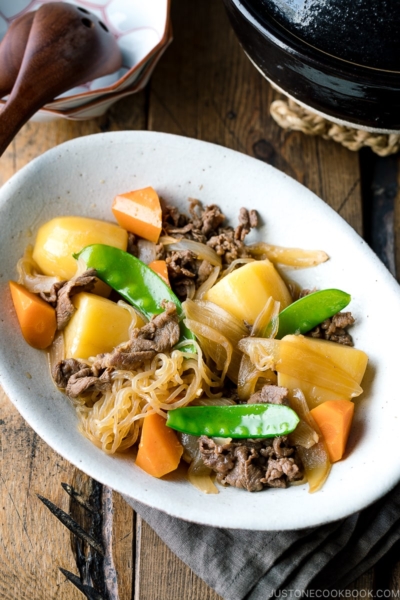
(311, 310)
(139, 285)
(235, 421)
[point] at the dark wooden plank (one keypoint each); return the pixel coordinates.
(381, 193)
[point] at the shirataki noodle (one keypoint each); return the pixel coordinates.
(112, 419)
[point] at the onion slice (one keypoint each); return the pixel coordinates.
(198, 474)
(235, 263)
(248, 372)
(207, 284)
(202, 251)
(304, 435)
(212, 341)
(214, 316)
(30, 277)
(291, 257)
(222, 323)
(146, 251)
(297, 361)
(56, 352)
(315, 459)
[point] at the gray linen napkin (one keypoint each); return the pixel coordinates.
(256, 565)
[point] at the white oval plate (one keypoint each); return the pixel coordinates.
(82, 177)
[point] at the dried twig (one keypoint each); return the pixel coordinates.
(77, 497)
(90, 593)
(72, 525)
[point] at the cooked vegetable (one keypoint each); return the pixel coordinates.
(146, 251)
(160, 267)
(218, 333)
(30, 277)
(345, 358)
(309, 311)
(37, 319)
(198, 474)
(334, 418)
(315, 457)
(159, 449)
(303, 435)
(97, 326)
(299, 361)
(238, 421)
(139, 212)
(244, 292)
(291, 257)
(133, 280)
(202, 251)
(212, 343)
(207, 284)
(248, 373)
(58, 239)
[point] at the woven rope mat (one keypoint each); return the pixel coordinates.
(289, 115)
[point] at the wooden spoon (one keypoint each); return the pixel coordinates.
(67, 46)
(12, 48)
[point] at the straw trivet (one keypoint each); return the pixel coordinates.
(290, 115)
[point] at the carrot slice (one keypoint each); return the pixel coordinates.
(160, 267)
(334, 418)
(139, 212)
(159, 449)
(37, 319)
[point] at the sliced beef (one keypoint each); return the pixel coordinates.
(212, 218)
(246, 473)
(159, 335)
(270, 394)
(51, 296)
(181, 263)
(204, 225)
(172, 217)
(61, 293)
(65, 309)
(335, 329)
(65, 369)
(88, 380)
(182, 268)
(252, 464)
(228, 246)
(247, 220)
(77, 378)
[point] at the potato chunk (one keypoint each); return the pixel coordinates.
(59, 238)
(97, 326)
(351, 360)
(244, 292)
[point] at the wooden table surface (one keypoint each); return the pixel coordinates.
(204, 87)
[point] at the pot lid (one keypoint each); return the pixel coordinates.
(364, 32)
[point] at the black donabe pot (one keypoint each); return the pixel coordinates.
(351, 76)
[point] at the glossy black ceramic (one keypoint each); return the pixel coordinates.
(325, 75)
